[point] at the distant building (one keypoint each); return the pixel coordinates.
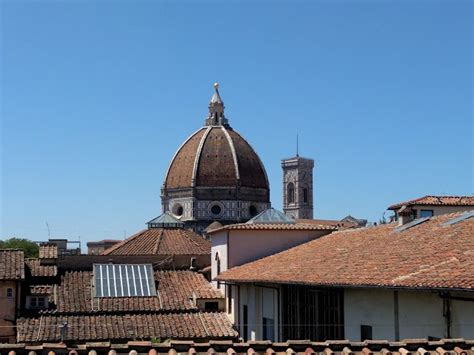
(96, 248)
(62, 246)
(215, 175)
(428, 206)
(358, 222)
(12, 275)
(388, 282)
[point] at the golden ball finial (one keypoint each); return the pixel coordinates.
(216, 86)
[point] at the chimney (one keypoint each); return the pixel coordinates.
(405, 215)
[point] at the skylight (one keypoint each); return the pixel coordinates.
(165, 220)
(461, 218)
(271, 215)
(413, 223)
(124, 280)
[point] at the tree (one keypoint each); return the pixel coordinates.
(29, 248)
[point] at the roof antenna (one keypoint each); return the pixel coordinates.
(49, 230)
(297, 146)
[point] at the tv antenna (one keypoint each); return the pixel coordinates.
(49, 230)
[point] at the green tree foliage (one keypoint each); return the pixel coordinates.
(30, 248)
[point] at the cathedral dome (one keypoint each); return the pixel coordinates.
(215, 175)
(216, 156)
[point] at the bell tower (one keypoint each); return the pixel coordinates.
(298, 187)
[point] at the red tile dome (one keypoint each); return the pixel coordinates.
(216, 156)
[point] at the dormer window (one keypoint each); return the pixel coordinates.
(37, 302)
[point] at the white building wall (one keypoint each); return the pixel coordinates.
(247, 245)
(218, 248)
(462, 317)
(420, 314)
(368, 307)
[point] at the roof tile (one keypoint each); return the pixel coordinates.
(162, 241)
(175, 292)
(48, 251)
(12, 264)
(200, 325)
(38, 270)
(437, 201)
(377, 256)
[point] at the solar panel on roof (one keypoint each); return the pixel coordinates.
(413, 223)
(461, 218)
(124, 280)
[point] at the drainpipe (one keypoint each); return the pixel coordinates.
(396, 314)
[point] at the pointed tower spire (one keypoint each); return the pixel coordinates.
(216, 110)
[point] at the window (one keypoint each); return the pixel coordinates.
(9, 292)
(268, 329)
(414, 214)
(211, 306)
(245, 317)
(312, 313)
(218, 267)
(229, 299)
(36, 302)
(124, 280)
(253, 211)
(426, 213)
(216, 210)
(365, 332)
(305, 195)
(290, 193)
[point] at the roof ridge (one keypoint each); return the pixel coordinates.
(158, 241)
(188, 235)
(258, 156)
(232, 150)
(122, 243)
(177, 151)
(197, 158)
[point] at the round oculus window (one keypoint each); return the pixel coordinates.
(178, 210)
(216, 210)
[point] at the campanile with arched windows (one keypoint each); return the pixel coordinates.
(298, 187)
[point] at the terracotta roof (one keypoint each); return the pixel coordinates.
(162, 241)
(274, 226)
(212, 226)
(41, 289)
(48, 251)
(12, 264)
(38, 270)
(429, 255)
(216, 156)
(175, 292)
(104, 241)
(328, 222)
(407, 346)
(437, 201)
(200, 325)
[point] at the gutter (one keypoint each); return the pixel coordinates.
(382, 287)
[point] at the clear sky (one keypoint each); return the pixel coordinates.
(98, 95)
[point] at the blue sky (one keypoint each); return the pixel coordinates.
(98, 95)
